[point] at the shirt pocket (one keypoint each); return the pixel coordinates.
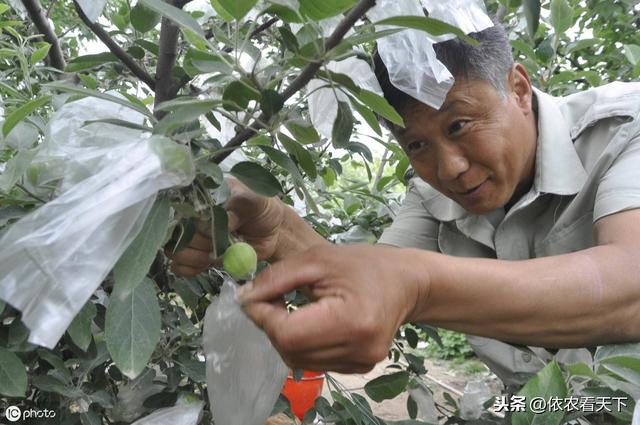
(452, 242)
(575, 236)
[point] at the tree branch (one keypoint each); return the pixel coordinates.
(167, 87)
(118, 51)
(305, 76)
(39, 19)
(265, 26)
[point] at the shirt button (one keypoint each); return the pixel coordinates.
(526, 357)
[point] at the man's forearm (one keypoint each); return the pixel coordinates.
(558, 301)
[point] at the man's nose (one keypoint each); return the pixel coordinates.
(451, 163)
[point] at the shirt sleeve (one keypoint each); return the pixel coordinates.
(619, 187)
(413, 227)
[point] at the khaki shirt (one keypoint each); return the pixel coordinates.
(587, 167)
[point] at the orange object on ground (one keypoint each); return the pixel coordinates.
(302, 394)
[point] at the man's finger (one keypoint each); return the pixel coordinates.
(185, 271)
(234, 221)
(280, 278)
(202, 242)
(192, 258)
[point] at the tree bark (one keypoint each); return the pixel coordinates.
(118, 51)
(39, 19)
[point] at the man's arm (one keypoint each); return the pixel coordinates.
(590, 297)
(364, 293)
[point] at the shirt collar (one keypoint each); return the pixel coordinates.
(558, 168)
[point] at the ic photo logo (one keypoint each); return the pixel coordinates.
(14, 413)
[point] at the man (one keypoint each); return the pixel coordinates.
(522, 226)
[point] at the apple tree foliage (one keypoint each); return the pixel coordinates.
(236, 80)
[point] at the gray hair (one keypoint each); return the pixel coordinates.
(490, 60)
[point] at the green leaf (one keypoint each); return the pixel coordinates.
(283, 161)
(143, 19)
(120, 123)
(547, 383)
(561, 16)
(257, 178)
(136, 260)
(133, 326)
(581, 369)
(22, 112)
(318, 10)
(40, 54)
(220, 230)
(86, 92)
(429, 25)
(150, 47)
(368, 116)
(342, 126)
(15, 168)
(221, 11)
(3, 8)
(189, 291)
(211, 169)
(178, 16)
(289, 39)
(354, 411)
(84, 62)
(379, 105)
(238, 8)
(271, 102)
(237, 95)
(605, 352)
(285, 13)
(183, 115)
(13, 375)
(205, 62)
(302, 132)
(387, 386)
(411, 336)
(532, 14)
(632, 52)
(80, 328)
(303, 156)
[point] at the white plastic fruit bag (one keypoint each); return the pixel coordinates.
(244, 371)
(409, 55)
(323, 101)
(54, 258)
(182, 414)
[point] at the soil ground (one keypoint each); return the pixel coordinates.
(442, 376)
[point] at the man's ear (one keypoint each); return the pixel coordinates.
(520, 88)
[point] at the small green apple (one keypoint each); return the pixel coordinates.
(240, 261)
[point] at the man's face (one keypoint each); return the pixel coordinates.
(479, 147)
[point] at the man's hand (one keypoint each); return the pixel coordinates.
(363, 294)
(271, 227)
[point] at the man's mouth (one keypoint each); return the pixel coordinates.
(472, 190)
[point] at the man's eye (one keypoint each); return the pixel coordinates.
(456, 126)
(416, 146)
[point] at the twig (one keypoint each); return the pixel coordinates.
(135, 68)
(263, 27)
(31, 194)
(39, 19)
(305, 76)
